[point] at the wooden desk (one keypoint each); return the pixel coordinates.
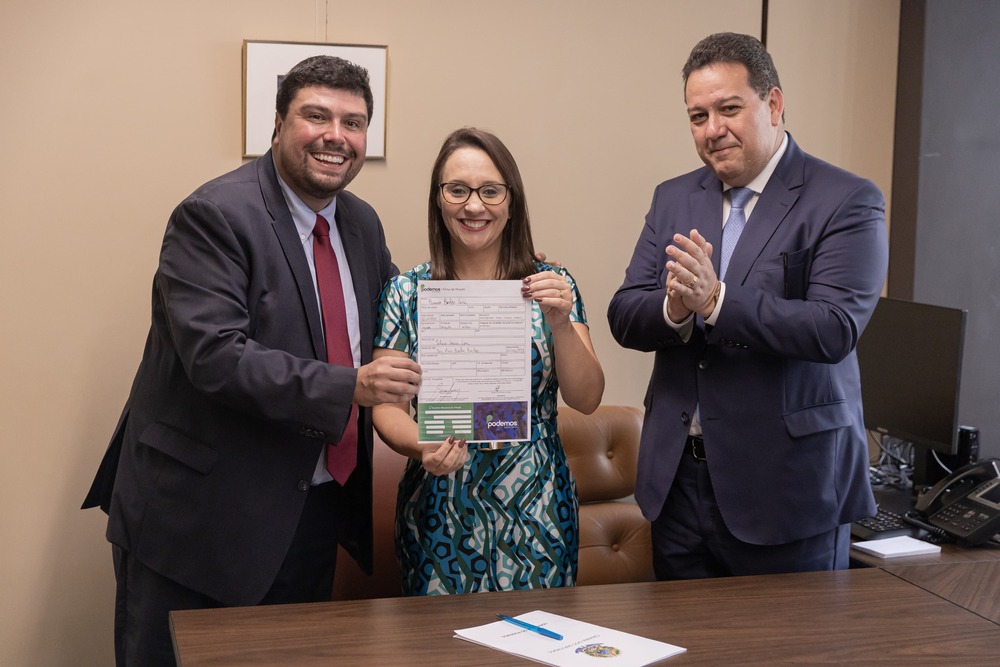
(967, 576)
(973, 585)
(861, 616)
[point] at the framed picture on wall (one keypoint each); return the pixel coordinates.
(265, 63)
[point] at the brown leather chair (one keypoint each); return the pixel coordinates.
(350, 582)
(602, 449)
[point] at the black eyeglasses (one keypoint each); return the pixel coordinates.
(459, 193)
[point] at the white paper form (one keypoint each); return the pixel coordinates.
(475, 354)
(582, 643)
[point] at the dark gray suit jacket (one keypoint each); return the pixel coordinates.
(207, 472)
(776, 379)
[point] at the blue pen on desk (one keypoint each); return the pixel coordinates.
(528, 626)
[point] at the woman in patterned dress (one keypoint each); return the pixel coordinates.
(471, 519)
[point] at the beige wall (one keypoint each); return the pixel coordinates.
(114, 110)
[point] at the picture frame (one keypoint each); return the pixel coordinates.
(264, 62)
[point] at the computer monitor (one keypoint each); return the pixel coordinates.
(911, 368)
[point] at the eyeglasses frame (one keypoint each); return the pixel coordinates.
(506, 193)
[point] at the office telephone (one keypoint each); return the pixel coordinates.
(965, 505)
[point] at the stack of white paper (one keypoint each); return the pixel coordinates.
(892, 547)
(581, 642)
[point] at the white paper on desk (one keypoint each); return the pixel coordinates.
(892, 547)
(580, 645)
(475, 357)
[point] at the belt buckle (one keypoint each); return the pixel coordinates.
(696, 445)
(494, 445)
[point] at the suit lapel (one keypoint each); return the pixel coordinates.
(291, 246)
(350, 236)
(706, 213)
(772, 207)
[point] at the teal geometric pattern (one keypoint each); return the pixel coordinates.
(507, 520)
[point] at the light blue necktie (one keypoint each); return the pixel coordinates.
(734, 226)
(735, 223)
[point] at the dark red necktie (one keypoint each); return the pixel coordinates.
(342, 457)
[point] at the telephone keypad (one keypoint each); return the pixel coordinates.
(961, 515)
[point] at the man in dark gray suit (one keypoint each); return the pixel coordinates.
(216, 481)
(753, 456)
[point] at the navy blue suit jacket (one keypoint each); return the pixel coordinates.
(776, 379)
(207, 472)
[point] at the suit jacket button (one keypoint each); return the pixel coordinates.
(685, 418)
(702, 365)
(303, 485)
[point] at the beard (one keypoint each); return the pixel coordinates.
(302, 173)
(322, 185)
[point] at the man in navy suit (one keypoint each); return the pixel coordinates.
(753, 456)
(216, 480)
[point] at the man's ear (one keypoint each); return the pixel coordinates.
(776, 103)
(277, 128)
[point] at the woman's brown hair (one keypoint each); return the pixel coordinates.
(517, 251)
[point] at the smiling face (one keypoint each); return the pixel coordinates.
(473, 226)
(735, 132)
(319, 146)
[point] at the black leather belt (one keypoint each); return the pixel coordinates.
(494, 445)
(695, 446)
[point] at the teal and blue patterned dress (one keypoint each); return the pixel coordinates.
(507, 520)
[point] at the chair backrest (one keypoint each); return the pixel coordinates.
(602, 449)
